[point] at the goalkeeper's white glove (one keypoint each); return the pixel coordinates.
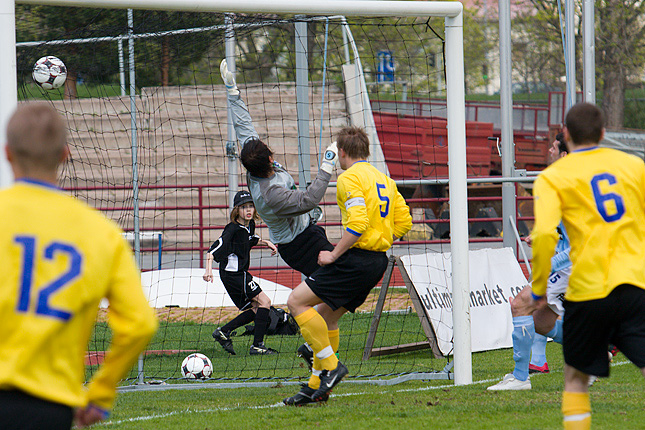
(330, 158)
(229, 78)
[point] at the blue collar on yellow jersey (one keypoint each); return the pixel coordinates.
(585, 149)
(38, 182)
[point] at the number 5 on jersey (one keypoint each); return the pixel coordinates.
(29, 260)
(385, 199)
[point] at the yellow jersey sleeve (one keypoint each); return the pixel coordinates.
(402, 216)
(133, 324)
(544, 235)
(352, 201)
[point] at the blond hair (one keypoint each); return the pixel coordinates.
(354, 141)
(37, 137)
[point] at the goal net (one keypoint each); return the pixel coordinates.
(152, 148)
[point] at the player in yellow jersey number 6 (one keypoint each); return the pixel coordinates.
(599, 194)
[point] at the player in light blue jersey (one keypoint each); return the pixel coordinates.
(530, 332)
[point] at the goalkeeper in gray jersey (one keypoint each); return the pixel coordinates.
(283, 208)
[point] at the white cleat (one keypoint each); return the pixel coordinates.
(592, 379)
(510, 383)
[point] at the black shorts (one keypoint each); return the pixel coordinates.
(347, 282)
(301, 253)
(590, 326)
(241, 287)
(19, 410)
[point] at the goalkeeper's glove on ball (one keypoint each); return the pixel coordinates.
(228, 78)
(329, 158)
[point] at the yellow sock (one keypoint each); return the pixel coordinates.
(576, 409)
(334, 340)
(314, 381)
(314, 329)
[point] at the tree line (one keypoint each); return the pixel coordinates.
(269, 54)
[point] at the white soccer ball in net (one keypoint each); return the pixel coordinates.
(196, 366)
(49, 72)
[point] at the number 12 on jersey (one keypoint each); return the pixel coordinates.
(29, 260)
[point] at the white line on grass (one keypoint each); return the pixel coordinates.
(187, 411)
(275, 405)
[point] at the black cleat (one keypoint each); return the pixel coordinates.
(329, 379)
(306, 353)
(224, 339)
(304, 397)
(262, 349)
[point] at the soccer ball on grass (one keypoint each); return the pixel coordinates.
(196, 366)
(49, 72)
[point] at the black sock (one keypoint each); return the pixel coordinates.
(240, 320)
(261, 325)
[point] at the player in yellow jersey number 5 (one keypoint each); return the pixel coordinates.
(60, 258)
(373, 214)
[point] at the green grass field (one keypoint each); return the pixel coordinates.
(394, 329)
(617, 403)
(355, 404)
(31, 91)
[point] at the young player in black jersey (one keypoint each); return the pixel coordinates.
(233, 251)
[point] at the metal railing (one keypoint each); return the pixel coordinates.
(203, 225)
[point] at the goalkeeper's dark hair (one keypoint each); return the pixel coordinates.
(256, 158)
(562, 145)
(354, 141)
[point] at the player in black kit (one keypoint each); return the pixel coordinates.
(233, 251)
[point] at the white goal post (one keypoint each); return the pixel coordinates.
(453, 14)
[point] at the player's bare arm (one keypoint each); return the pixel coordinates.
(208, 274)
(346, 241)
(89, 415)
(270, 245)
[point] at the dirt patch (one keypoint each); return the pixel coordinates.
(394, 301)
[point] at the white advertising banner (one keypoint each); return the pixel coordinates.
(495, 276)
(186, 288)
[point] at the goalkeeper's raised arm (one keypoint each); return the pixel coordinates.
(258, 160)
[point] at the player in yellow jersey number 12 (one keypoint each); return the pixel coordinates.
(60, 259)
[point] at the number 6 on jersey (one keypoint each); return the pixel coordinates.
(602, 199)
